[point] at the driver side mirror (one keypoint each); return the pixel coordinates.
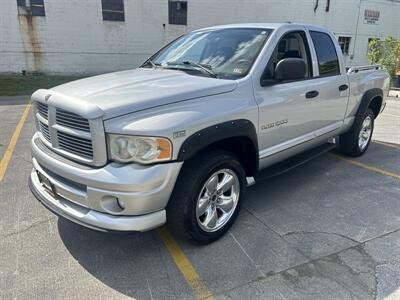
(287, 69)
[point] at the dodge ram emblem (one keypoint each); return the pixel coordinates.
(47, 97)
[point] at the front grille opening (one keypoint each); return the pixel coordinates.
(76, 145)
(71, 120)
(43, 110)
(49, 151)
(44, 130)
(73, 184)
(71, 138)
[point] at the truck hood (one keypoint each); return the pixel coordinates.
(120, 93)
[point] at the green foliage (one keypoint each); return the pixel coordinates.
(386, 53)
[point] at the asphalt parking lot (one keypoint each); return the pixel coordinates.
(329, 229)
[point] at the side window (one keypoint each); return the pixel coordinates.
(291, 45)
(326, 53)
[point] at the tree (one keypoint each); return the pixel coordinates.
(386, 53)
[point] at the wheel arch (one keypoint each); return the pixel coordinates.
(236, 136)
(373, 98)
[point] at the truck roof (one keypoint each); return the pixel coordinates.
(262, 25)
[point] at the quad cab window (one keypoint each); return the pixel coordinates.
(328, 61)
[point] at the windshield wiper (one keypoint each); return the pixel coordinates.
(203, 68)
(150, 62)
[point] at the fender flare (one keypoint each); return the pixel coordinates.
(218, 132)
(366, 101)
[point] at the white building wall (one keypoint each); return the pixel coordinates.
(73, 38)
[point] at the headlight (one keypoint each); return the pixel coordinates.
(125, 148)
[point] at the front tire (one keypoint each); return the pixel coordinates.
(207, 196)
(356, 141)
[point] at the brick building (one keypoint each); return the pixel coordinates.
(95, 36)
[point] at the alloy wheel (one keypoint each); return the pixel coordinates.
(365, 133)
(217, 200)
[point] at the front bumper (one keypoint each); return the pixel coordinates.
(88, 196)
(93, 219)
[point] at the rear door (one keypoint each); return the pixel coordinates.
(331, 78)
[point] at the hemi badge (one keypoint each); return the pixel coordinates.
(179, 134)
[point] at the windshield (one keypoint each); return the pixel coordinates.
(222, 53)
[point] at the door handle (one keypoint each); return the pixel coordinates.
(343, 87)
(312, 94)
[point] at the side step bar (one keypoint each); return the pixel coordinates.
(292, 162)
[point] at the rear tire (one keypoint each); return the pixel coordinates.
(207, 196)
(356, 141)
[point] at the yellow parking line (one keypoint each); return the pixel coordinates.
(184, 265)
(387, 144)
(13, 142)
(361, 165)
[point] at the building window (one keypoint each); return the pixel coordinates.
(344, 42)
(113, 10)
(177, 11)
(31, 7)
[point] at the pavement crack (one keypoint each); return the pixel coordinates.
(149, 289)
(381, 236)
(368, 262)
(265, 225)
(22, 158)
(321, 232)
(259, 270)
(376, 283)
(3, 237)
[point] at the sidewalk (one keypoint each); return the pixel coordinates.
(394, 93)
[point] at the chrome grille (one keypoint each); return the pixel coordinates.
(44, 130)
(43, 110)
(65, 132)
(71, 120)
(76, 145)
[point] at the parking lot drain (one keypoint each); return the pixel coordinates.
(184, 265)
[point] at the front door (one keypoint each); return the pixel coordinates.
(291, 113)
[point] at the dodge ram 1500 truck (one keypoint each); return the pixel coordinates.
(180, 136)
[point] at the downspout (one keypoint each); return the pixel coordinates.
(328, 4)
(355, 36)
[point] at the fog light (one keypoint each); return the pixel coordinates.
(112, 204)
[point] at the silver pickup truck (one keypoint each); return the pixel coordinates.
(181, 136)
